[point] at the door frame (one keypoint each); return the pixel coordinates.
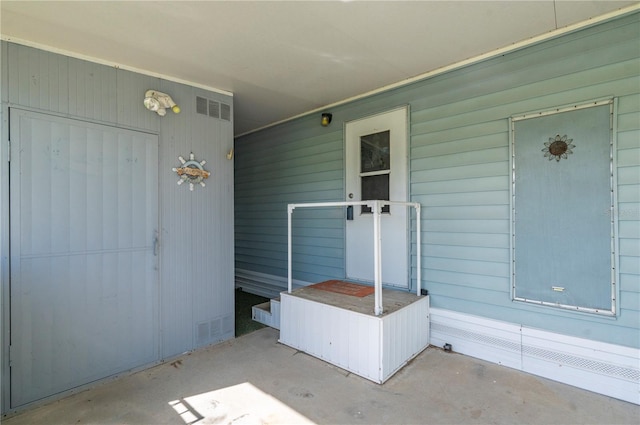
(404, 162)
(5, 260)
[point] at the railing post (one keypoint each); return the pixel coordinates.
(377, 260)
(376, 206)
(418, 251)
(290, 208)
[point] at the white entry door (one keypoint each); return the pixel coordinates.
(376, 168)
(84, 216)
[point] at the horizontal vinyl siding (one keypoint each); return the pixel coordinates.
(304, 165)
(628, 206)
(460, 173)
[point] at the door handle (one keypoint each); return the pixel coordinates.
(350, 212)
(156, 242)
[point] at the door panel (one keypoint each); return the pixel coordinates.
(376, 168)
(84, 217)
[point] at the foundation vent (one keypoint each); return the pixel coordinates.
(583, 363)
(209, 331)
(554, 357)
(474, 336)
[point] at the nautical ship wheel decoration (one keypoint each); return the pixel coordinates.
(191, 171)
(558, 148)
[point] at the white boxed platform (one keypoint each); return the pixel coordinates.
(343, 330)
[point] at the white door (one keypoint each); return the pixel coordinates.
(376, 168)
(84, 216)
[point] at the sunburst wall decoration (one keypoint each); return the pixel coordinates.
(191, 172)
(558, 148)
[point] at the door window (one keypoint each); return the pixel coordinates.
(375, 167)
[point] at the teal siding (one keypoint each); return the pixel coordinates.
(293, 167)
(460, 163)
(459, 172)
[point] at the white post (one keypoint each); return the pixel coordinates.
(418, 252)
(377, 260)
(289, 271)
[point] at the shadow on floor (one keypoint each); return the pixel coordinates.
(244, 301)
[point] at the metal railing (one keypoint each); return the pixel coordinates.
(376, 207)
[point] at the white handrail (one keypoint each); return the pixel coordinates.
(376, 206)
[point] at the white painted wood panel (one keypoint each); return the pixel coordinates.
(374, 347)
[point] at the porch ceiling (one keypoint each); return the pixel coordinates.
(282, 59)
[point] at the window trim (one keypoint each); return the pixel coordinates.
(615, 274)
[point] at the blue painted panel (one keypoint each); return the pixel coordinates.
(92, 91)
(562, 235)
(131, 112)
(84, 285)
(196, 237)
(4, 73)
(38, 79)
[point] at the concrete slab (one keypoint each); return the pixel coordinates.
(255, 380)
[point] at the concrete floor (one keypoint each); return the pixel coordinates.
(255, 380)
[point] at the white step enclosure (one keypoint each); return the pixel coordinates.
(373, 344)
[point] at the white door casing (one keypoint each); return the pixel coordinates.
(394, 224)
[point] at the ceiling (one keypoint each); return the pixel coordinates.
(285, 58)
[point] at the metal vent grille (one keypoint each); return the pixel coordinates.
(203, 331)
(209, 331)
(575, 361)
(474, 336)
(214, 109)
(227, 323)
(201, 105)
(225, 112)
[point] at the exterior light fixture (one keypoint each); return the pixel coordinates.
(159, 102)
(326, 119)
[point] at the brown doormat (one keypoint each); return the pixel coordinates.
(345, 288)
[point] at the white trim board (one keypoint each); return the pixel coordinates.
(607, 369)
(94, 59)
(266, 285)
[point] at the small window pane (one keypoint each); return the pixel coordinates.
(375, 187)
(374, 152)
